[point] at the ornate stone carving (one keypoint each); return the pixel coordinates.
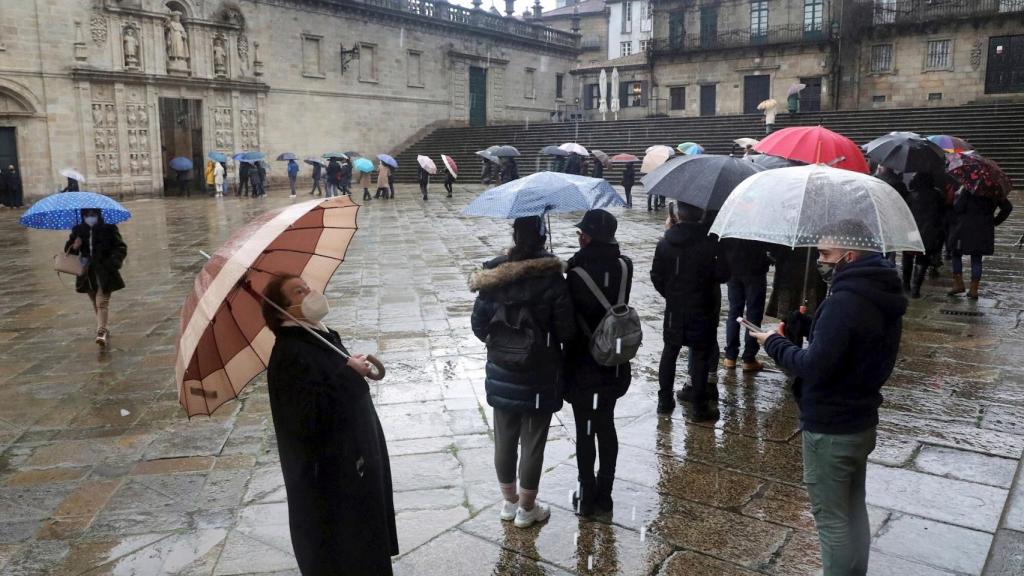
(249, 130)
(138, 138)
(223, 124)
(220, 56)
(105, 138)
(257, 63)
(131, 42)
(243, 50)
(177, 44)
(98, 27)
(977, 49)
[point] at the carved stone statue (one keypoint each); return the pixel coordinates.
(131, 47)
(177, 44)
(220, 58)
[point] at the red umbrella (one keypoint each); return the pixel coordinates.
(624, 158)
(224, 342)
(981, 176)
(450, 164)
(814, 145)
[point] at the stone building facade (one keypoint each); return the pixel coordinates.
(115, 88)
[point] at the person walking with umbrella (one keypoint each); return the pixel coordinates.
(770, 107)
(208, 177)
(259, 179)
(509, 170)
(345, 177)
(383, 177)
(364, 167)
(71, 186)
(974, 235)
(243, 178)
(628, 181)
(524, 314)
(574, 165)
(333, 177)
(317, 169)
(218, 179)
(451, 172)
(104, 251)
(293, 175)
(423, 178)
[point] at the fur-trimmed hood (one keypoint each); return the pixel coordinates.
(505, 273)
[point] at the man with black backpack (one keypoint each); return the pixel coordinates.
(524, 314)
(597, 368)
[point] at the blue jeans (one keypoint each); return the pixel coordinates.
(958, 264)
(746, 298)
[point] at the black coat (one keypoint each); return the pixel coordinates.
(106, 251)
(333, 172)
(853, 346)
(584, 376)
(629, 176)
(974, 232)
(10, 187)
(334, 459)
(598, 170)
(574, 164)
(928, 206)
(746, 258)
(538, 284)
(688, 271)
(422, 176)
(316, 171)
(345, 174)
(794, 268)
(510, 171)
(72, 185)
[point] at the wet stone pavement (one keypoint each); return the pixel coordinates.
(101, 473)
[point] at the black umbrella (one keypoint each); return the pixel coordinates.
(907, 152)
(352, 154)
(553, 151)
(769, 162)
(704, 181)
(506, 152)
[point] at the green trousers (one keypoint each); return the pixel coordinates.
(835, 466)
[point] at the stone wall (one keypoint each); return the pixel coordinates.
(82, 82)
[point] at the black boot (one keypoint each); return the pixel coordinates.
(665, 402)
(705, 412)
(685, 394)
(908, 271)
(366, 194)
(583, 502)
(918, 279)
(603, 502)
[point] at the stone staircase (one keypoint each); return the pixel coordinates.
(996, 130)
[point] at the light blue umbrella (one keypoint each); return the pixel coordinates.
(388, 160)
(181, 164)
(252, 156)
(542, 193)
(217, 156)
(63, 211)
(363, 165)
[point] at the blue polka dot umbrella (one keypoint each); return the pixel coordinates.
(63, 211)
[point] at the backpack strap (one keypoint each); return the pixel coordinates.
(593, 287)
(623, 282)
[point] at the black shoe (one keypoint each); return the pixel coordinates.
(603, 503)
(685, 394)
(666, 404)
(703, 414)
(449, 196)
(584, 506)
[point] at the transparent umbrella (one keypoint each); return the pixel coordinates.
(804, 205)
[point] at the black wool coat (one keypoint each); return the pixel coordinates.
(334, 458)
(536, 283)
(106, 251)
(629, 176)
(974, 232)
(584, 376)
(928, 206)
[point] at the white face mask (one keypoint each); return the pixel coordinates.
(91, 220)
(314, 307)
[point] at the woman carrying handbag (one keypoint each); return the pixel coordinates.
(103, 252)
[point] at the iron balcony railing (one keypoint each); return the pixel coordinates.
(885, 12)
(441, 10)
(739, 39)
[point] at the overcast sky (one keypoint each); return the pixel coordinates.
(521, 5)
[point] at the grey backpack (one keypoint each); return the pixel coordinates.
(617, 338)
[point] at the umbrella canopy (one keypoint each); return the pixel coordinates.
(311, 160)
(553, 151)
(951, 143)
(907, 152)
(388, 160)
(73, 174)
(427, 164)
(814, 145)
(744, 142)
(63, 211)
(488, 156)
(574, 148)
(769, 162)
(252, 156)
(601, 157)
(181, 164)
(602, 103)
(624, 158)
(768, 104)
(352, 154)
(795, 88)
(333, 155)
(544, 192)
(655, 156)
(704, 181)
(450, 165)
(615, 93)
(223, 341)
(217, 156)
(286, 156)
(363, 165)
(981, 176)
(803, 205)
(691, 148)
(506, 152)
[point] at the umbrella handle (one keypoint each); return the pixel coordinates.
(377, 371)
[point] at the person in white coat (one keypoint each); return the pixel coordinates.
(218, 178)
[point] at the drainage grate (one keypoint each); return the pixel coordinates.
(970, 313)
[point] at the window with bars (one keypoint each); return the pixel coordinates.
(626, 48)
(881, 58)
(759, 18)
(884, 12)
(937, 55)
(677, 97)
(813, 15)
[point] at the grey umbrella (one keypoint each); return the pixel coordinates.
(488, 156)
(704, 181)
(907, 152)
(553, 151)
(769, 162)
(505, 151)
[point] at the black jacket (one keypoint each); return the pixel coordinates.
(584, 376)
(316, 171)
(975, 229)
(422, 176)
(538, 284)
(334, 458)
(106, 251)
(510, 171)
(598, 171)
(345, 174)
(746, 258)
(853, 346)
(574, 164)
(927, 205)
(688, 270)
(629, 176)
(333, 172)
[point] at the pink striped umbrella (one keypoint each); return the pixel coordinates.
(224, 342)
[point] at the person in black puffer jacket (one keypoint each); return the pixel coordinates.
(854, 342)
(524, 314)
(591, 388)
(688, 271)
(104, 250)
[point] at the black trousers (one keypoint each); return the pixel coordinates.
(423, 189)
(702, 340)
(602, 432)
(448, 187)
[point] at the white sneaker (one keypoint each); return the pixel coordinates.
(292, 196)
(508, 510)
(527, 518)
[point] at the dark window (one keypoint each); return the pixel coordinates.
(813, 15)
(881, 58)
(708, 26)
(758, 19)
(676, 28)
(933, 96)
(559, 79)
(878, 98)
(592, 100)
(677, 97)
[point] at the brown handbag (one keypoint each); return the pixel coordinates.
(68, 264)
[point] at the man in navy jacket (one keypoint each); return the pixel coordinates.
(853, 346)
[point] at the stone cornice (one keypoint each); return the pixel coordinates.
(94, 75)
(141, 13)
(467, 56)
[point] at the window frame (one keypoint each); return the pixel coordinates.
(530, 83)
(760, 9)
(948, 65)
(372, 47)
(891, 60)
(559, 86)
(625, 48)
(319, 73)
(672, 90)
(816, 23)
(419, 63)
